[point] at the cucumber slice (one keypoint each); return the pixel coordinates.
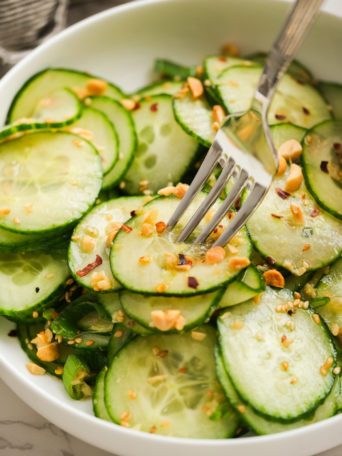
(195, 117)
(194, 310)
(159, 138)
(284, 241)
(284, 131)
(26, 333)
(201, 277)
(214, 65)
(15, 242)
(99, 406)
(30, 282)
(249, 285)
(330, 286)
(75, 374)
(332, 92)
(120, 337)
(261, 425)
(44, 83)
(252, 340)
(97, 227)
(124, 125)
(112, 305)
(173, 70)
(171, 391)
(295, 69)
(168, 87)
(97, 128)
(322, 165)
(51, 180)
(293, 101)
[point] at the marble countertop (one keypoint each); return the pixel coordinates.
(22, 431)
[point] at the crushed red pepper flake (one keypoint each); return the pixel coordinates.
(126, 228)
(283, 195)
(12, 333)
(270, 260)
(154, 107)
(324, 166)
(222, 59)
(193, 282)
(280, 116)
(137, 106)
(237, 203)
(305, 111)
(337, 146)
(83, 272)
(277, 216)
(314, 213)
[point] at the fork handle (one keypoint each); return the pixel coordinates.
(289, 39)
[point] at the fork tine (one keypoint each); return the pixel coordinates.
(202, 175)
(209, 200)
(249, 206)
(223, 209)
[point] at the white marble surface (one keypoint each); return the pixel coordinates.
(25, 433)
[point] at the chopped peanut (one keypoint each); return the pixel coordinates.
(282, 165)
(128, 104)
(238, 263)
(151, 217)
(285, 365)
(160, 227)
(100, 282)
(218, 114)
(171, 260)
(146, 229)
(34, 369)
(274, 278)
(146, 259)
(290, 149)
(294, 179)
(297, 214)
(215, 255)
(195, 86)
(230, 49)
(180, 190)
(48, 352)
(92, 231)
(232, 249)
(161, 288)
(96, 86)
(164, 320)
(87, 244)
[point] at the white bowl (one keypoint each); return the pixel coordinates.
(120, 44)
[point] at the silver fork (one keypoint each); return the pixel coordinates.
(243, 145)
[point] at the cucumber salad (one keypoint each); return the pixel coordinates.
(173, 338)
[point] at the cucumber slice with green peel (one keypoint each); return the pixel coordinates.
(284, 131)
(121, 335)
(168, 87)
(194, 310)
(99, 406)
(50, 179)
(329, 288)
(332, 92)
(262, 425)
(159, 138)
(15, 242)
(44, 83)
(30, 282)
(160, 272)
(111, 304)
(124, 125)
(295, 69)
(249, 285)
(173, 70)
(297, 247)
(296, 283)
(97, 229)
(27, 332)
(171, 391)
(95, 126)
(195, 117)
(256, 340)
(322, 165)
(294, 102)
(75, 374)
(214, 65)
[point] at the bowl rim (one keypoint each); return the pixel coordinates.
(21, 385)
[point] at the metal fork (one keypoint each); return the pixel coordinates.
(243, 145)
